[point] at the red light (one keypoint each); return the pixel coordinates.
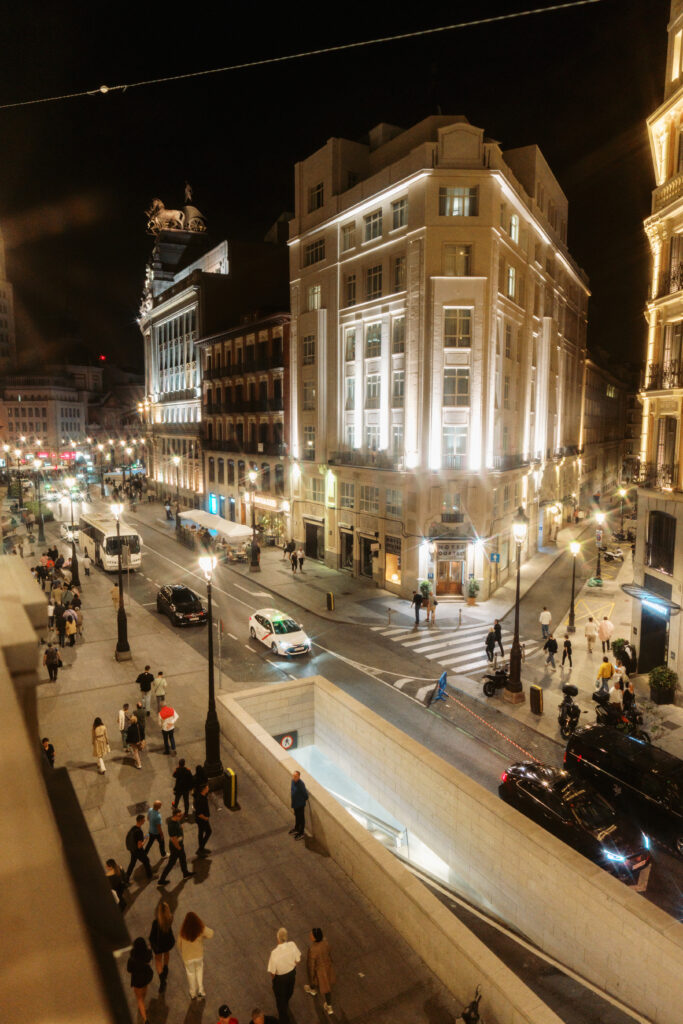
(103, 359)
(504, 777)
(564, 759)
(579, 757)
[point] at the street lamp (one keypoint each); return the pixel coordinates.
(100, 449)
(70, 483)
(255, 550)
(17, 456)
(600, 519)
(122, 652)
(513, 691)
(574, 547)
(622, 495)
(37, 464)
(212, 765)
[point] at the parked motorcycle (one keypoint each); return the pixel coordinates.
(496, 680)
(613, 555)
(569, 715)
(613, 715)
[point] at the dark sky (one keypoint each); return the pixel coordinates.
(77, 175)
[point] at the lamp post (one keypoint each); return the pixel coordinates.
(100, 449)
(176, 462)
(600, 519)
(70, 483)
(513, 692)
(37, 464)
(574, 547)
(622, 495)
(122, 652)
(255, 550)
(17, 455)
(212, 764)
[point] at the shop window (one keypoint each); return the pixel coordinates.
(392, 547)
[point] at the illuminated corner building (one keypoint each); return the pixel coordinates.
(658, 563)
(437, 346)
(603, 438)
(8, 347)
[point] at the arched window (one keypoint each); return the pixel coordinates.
(221, 471)
(231, 471)
(279, 478)
(212, 470)
(265, 477)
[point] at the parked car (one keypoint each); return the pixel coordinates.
(182, 605)
(278, 631)
(68, 532)
(578, 815)
(643, 781)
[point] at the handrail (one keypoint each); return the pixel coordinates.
(398, 835)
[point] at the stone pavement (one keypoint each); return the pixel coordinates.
(256, 878)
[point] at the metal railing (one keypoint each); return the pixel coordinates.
(662, 376)
(399, 836)
(504, 462)
(454, 462)
(658, 477)
(367, 457)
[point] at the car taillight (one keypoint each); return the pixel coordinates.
(564, 759)
(504, 777)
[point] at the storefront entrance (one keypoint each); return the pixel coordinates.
(654, 633)
(451, 562)
(366, 556)
(314, 545)
(346, 551)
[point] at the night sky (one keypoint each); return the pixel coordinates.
(77, 175)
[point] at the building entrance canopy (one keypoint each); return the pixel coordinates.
(652, 599)
(231, 531)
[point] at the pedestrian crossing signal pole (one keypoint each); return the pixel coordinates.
(513, 692)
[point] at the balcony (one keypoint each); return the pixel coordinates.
(662, 477)
(670, 280)
(245, 447)
(669, 192)
(245, 405)
(274, 362)
(449, 461)
(502, 463)
(663, 376)
(372, 402)
(367, 458)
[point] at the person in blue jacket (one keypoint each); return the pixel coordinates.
(299, 798)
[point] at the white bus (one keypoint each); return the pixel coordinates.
(97, 538)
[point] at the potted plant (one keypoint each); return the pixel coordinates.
(618, 648)
(472, 591)
(425, 588)
(663, 685)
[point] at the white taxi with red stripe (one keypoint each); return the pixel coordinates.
(278, 631)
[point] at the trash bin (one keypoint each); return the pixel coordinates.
(330, 602)
(536, 700)
(230, 789)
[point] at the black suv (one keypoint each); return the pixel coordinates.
(182, 605)
(641, 780)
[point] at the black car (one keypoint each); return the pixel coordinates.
(641, 780)
(182, 605)
(579, 815)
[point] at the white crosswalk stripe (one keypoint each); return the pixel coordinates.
(459, 650)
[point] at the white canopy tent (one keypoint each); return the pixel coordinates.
(231, 531)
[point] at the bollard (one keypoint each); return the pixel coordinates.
(330, 602)
(230, 789)
(459, 617)
(390, 612)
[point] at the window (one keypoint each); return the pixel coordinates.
(372, 437)
(313, 489)
(506, 440)
(309, 443)
(350, 402)
(506, 393)
(397, 439)
(212, 470)
(397, 388)
(351, 290)
(661, 542)
(308, 350)
(676, 59)
(508, 341)
(369, 498)
(372, 389)
(457, 260)
(347, 495)
(316, 197)
(348, 236)
(457, 332)
(350, 346)
(314, 297)
(315, 252)
(309, 395)
(398, 335)
(399, 213)
(399, 273)
(511, 282)
(514, 228)
(394, 503)
(373, 225)
(458, 201)
(454, 441)
(506, 498)
(373, 282)
(456, 386)
(221, 471)
(373, 340)
(352, 178)
(350, 435)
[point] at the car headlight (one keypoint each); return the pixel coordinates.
(615, 857)
(646, 841)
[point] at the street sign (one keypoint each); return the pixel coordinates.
(495, 556)
(288, 740)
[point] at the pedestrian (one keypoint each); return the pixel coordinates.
(100, 744)
(123, 721)
(225, 1016)
(620, 670)
(162, 941)
(75, 600)
(628, 656)
(140, 715)
(293, 560)
(416, 601)
(191, 937)
(300, 556)
(56, 593)
(159, 689)
(490, 643)
(321, 975)
(498, 632)
(605, 630)
(182, 786)
(87, 562)
(616, 692)
(141, 973)
(117, 881)
(144, 681)
(135, 844)
(567, 650)
(79, 622)
(177, 848)
(282, 968)
(71, 630)
(628, 697)
(591, 633)
(52, 661)
(21, 548)
(259, 1017)
(134, 740)
(202, 813)
(50, 614)
(114, 594)
(167, 720)
(551, 647)
(545, 618)
(60, 622)
(299, 798)
(49, 751)
(431, 608)
(605, 673)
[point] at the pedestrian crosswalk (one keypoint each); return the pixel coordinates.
(460, 650)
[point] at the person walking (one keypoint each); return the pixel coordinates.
(282, 968)
(416, 602)
(490, 643)
(167, 722)
(605, 673)
(123, 721)
(616, 692)
(135, 844)
(141, 973)
(182, 786)
(49, 751)
(156, 828)
(202, 813)
(567, 651)
(71, 630)
(86, 562)
(51, 661)
(191, 938)
(134, 740)
(300, 558)
(162, 941)
(50, 614)
(299, 798)
(144, 681)
(60, 623)
(177, 848)
(159, 689)
(545, 618)
(551, 647)
(117, 881)
(498, 632)
(100, 744)
(114, 594)
(628, 697)
(431, 608)
(259, 1017)
(605, 630)
(293, 560)
(320, 969)
(590, 633)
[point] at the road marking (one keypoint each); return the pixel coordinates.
(423, 691)
(196, 575)
(232, 636)
(253, 593)
(400, 683)
(248, 647)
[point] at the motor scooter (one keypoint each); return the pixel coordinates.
(614, 555)
(496, 680)
(570, 713)
(612, 714)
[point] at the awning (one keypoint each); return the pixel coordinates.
(209, 520)
(649, 596)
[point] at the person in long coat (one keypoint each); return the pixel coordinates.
(321, 976)
(100, 744)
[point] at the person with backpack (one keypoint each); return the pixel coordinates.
(52, 661)
(135, 844)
